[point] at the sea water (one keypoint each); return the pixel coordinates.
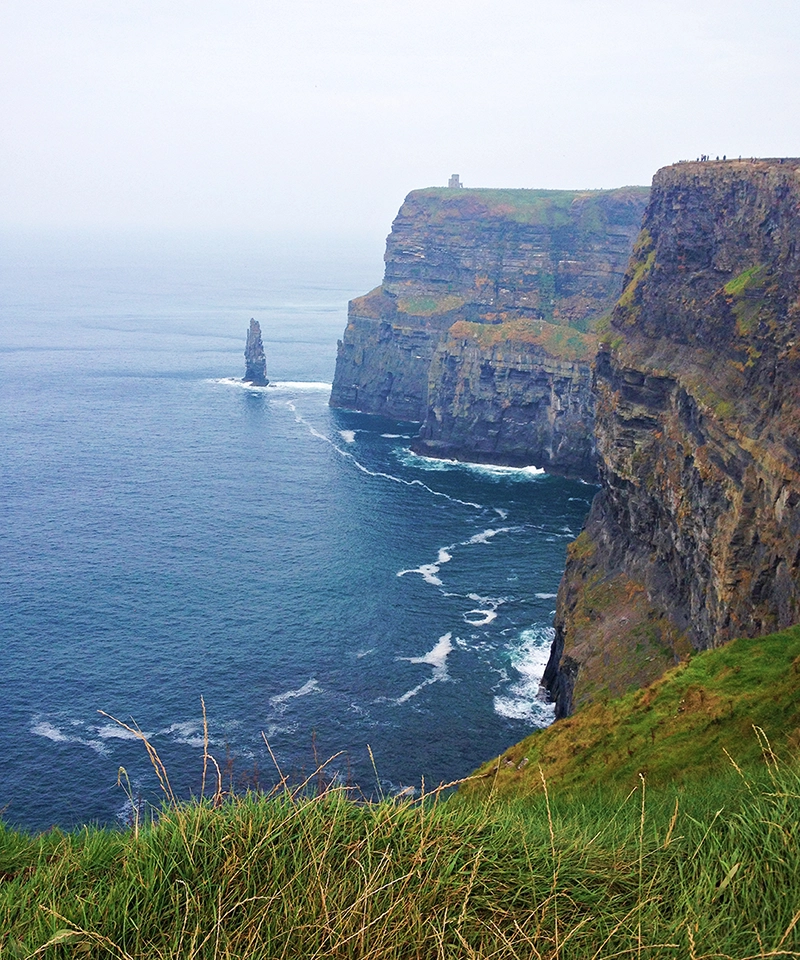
(169, 533)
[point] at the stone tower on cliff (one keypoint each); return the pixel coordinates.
(255, 358)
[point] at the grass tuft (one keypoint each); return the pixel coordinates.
(711, 871)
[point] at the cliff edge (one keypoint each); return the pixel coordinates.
(482, 327)
(695, 535)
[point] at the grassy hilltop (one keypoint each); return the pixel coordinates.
(626, 832)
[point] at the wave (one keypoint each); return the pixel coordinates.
(48, 730)
(545, 596)
(188, 732)
(274, 386)
(349, 436)
(433, 464)
(486, 535)
(100, 737)
(375, 473)
(436, 658)
(310, 686)
(430, 571)
(111, 731)
(525, 698)
(484, 617)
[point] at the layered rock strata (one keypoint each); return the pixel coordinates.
(539, 266)
(508, 394)
(254, 357)
(695, 535)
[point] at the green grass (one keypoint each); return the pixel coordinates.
(683, 727)
(591, 840)
(582, 209)
(712, 872)
(750, 277)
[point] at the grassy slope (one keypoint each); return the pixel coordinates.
(676, 730)
(714, 872)
(695, 859)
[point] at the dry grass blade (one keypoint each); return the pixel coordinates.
(152, 753)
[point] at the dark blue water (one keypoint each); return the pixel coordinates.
(167, 533)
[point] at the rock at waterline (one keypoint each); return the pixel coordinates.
(255, 358)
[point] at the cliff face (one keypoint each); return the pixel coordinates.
(507, 393)
(695, 535)
(528, 262)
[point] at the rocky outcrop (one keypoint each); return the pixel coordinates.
(538, 266)
(255, 358)
(695, 535)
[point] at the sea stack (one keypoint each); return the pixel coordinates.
(255, 358)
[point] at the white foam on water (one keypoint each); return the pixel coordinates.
(493, 602)
(486, 535)
(486, 613)
(236, 383)
(376, 473)
(349, 436)
(45, 729)
(274, 386)
(111, 731)
(187, 732)
(436, 658)
(503, 514)
(483, 617)
(364, 653)
(525, 699)
(311, 386)
(428, 573)
(545, 596)
(310, 686)
(396, 436)
(48, 730)
(488, 469)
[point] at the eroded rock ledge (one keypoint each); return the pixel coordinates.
(695, 535)
(481, 329)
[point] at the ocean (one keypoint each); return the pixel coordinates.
(170, 534)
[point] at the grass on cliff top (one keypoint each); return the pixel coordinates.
(683, 727)
(559, 341)
(711, 872)
(585, 209)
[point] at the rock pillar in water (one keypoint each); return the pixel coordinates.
(255, 358)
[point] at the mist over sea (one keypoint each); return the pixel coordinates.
(168, 533)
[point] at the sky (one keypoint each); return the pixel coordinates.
(319, 116)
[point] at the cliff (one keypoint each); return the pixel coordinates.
(512, 393)
(537, 268)
(695, 535)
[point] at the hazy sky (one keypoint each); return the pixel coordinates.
(321, 115)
